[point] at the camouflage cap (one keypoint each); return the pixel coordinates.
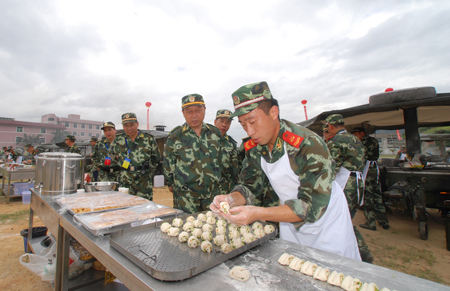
(223, 113)
(71, 138)
(129, 117)
(359, 129)
(108, 124)
(28, 145)
(192, 99)
(335, 118)
(10, 148)
(94, 138)
(247, 97)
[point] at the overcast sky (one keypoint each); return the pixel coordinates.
(100, 59)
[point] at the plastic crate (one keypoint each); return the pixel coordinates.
(20, 187)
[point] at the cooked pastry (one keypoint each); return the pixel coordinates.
(269, 228)
(206, 246)
(183, 237)
(173, 231)
(296, 264)
(285, 259)
(321, 274)
(177, 222)
(193, 242)
(165, 226)
(207, 227)
(239, 273)
(226, 248)
(220, 240)
(206, 235)
(225, 207)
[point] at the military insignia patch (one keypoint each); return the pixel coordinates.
(279, 144)
(292, 139)
(192, 98)
(227, 112)
(127, 116)
(236, 99)
(248, 145)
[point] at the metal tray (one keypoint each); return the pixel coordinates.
(165, 258)
(82, 218)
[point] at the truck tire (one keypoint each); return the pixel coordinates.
(402, 95)
(423, 230)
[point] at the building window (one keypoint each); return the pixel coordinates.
(20, 129)
(42, 139)
(74, 133)
(18, 139)
(90, 134)
(97, 135)
(90, 126)
(43, 130)
(51, 119)
(82, 133)
(98, 127)
(83, 125)
(66, 124)
(75, 125)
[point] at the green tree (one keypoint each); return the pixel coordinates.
(30, 139)
(59, 135)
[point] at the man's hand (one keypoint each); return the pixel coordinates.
(171, 189)
(244, 215)
(215, 205)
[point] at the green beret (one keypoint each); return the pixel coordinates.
(129, 117)
(192, 99)
(335, 118)
(247, 97)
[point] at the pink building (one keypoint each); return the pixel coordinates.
(12, 131)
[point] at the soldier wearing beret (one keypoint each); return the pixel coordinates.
(230, 160)
(374, 209)
(348, 153)
(102, 159)
(192, 164)
(138, 156)
(297, 164)
(70, 142)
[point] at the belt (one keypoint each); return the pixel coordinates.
(135, 168)
(353, 174)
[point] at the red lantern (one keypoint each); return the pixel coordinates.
(388, 90)
(304, 107)
(304, 102)
(148, 104)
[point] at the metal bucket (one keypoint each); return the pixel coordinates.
(59, 173)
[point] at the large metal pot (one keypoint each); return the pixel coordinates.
(59, 173)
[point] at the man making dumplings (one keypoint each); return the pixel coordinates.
(313, 209)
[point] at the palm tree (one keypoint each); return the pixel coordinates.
(30, 139)
(59, 135)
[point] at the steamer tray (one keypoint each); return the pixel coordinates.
(165, 258)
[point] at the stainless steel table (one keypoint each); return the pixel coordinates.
(262, 262)
(19, 174)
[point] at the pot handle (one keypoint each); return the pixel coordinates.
(70, 166)
(58, 167)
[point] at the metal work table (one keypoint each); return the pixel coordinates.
(261, 261)
(19, 174)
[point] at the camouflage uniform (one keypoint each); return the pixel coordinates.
(102, 150)
(347, 151)
(192, 166)
(144, 157)
(230, 165)
(374, 208)
(311, 162)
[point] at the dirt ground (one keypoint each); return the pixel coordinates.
(399, 248)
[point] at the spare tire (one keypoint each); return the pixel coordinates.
(402, 95)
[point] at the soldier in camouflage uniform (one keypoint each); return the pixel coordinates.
(92, 169)
(70, 142)
(348, 153)
(374, 209)
(230, 160)
(103, 153)
(298, 165)
(326, 134)
(138, 156)
(33, 152)
(192, 164)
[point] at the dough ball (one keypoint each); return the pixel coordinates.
(210, 220)
(183, 237)
(233, 234)
(221, 230)
(190, 219)
(296, 264)
(177, 222)
(236, 243)
(239, 273)
(193, 242)
(197, 232)
(225, 207)
(245, 229)
(220, 240)
(207, 227)
(259, 233)
(210, 214)
(201, 217)
(226, 248)
(173, 231)
(206, 235)
(285, 259)
(206, 246)
(188, 226)
(198, 223)
(269, 228)
(248, 238)
(257, 225)
(165, 227)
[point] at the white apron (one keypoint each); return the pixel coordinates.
(342, 178)
(333, 232)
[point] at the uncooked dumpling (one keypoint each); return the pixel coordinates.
(239, 273)
(234, 233)
(269, 228)
(173, 231)
(369, 287)
(206, 246)
(246, 229)
(308, 268)
(207, 227)
(221, 222)
(220, 240)
(248, 238)
(197, 232)
(225, 207)
(259, 233)
(193, 242)
(346, 283)
(183, 237)
(188, 226)
(209, 214)
(256, 225)
(198, 223)
(296, 264)
(190, 219)
(236, 243)
(321, 274)
(335, 279)
(165, 226)
(210, 220)
(221, 230)
(177, 222)
(226, 248)
(285, 259)
(201, 217)
(206, 235)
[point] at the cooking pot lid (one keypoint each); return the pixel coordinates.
(60, 155)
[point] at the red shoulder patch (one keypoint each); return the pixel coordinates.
(248, 145)
(292, 139)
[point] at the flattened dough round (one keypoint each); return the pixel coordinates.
(239, 273)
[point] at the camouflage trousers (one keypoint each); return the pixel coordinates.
(137, 184)
(191, 202)
(374, 209)
(105, 176)
(92, 172)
